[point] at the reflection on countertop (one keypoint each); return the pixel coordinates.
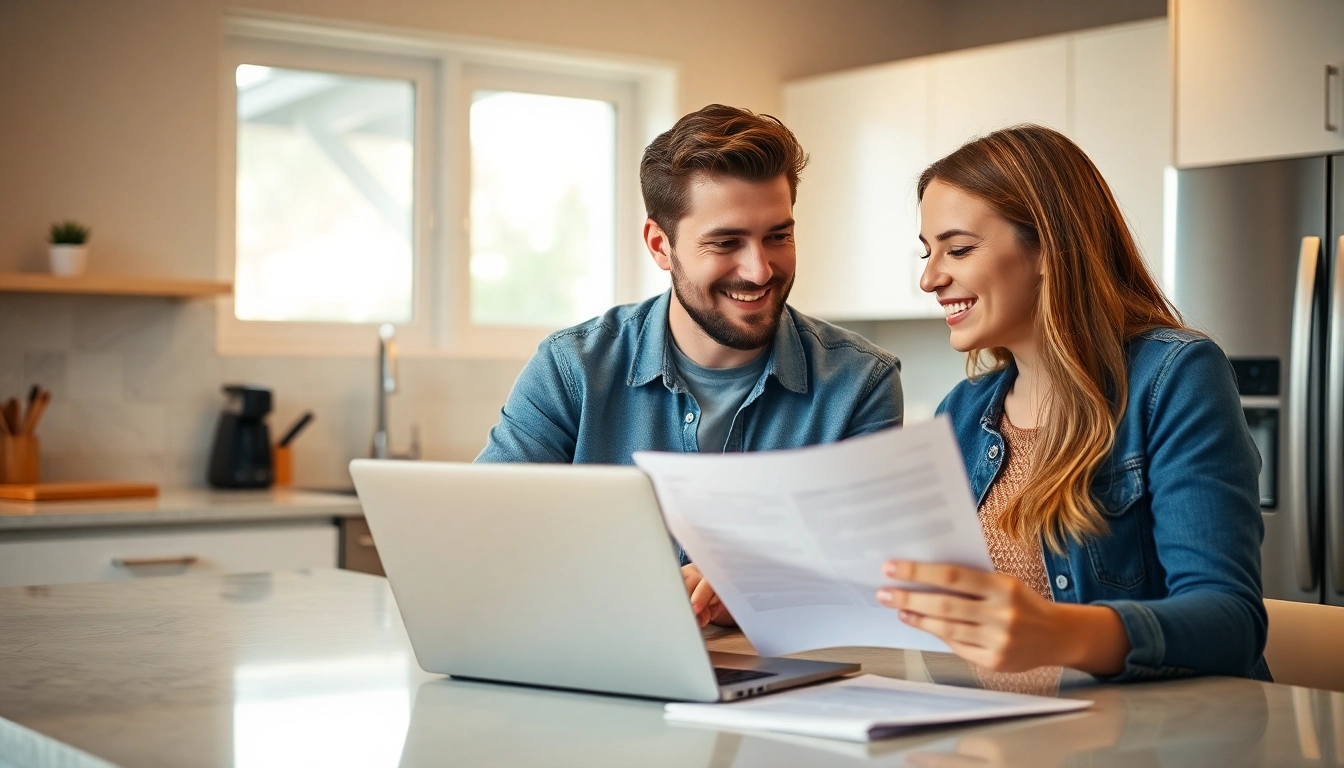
(314, 667)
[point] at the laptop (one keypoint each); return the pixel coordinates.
(552, 575)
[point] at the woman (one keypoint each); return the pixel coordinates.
(1105, 444)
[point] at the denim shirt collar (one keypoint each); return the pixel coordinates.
(653, 359)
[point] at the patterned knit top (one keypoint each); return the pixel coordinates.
(1010, 556)
(1025, 561)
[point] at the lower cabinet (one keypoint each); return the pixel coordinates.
(358, 552)
(84, 555)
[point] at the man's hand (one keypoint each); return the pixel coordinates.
(707, 606)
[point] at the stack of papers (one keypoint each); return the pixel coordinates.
(867, 707)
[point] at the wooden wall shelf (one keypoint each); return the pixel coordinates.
(110, 285)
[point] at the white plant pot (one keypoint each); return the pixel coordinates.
(69, 260)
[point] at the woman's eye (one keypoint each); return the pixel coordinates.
(926, 255)
(962, 251)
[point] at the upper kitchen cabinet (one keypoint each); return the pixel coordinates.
(872, 131)
(1121, 116)
(867, 132)
(979, 90)
(1257, 79)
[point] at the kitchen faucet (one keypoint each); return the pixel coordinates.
(387, 385)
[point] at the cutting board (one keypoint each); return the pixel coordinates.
(72, 491)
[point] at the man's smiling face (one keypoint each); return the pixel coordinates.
(733, 262)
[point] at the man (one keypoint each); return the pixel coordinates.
(719, 363)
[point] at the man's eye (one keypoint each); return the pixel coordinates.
(724, 243)
(782, 237)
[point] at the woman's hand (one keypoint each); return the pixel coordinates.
(995, 621)
(707, 606)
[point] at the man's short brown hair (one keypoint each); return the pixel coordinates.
(716, 140)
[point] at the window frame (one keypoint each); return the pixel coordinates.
(445, 72)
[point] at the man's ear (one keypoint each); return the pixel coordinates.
(659, 244)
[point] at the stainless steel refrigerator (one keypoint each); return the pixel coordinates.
(1257, 265)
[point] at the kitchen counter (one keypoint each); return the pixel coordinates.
(174, 507)
(314, 668)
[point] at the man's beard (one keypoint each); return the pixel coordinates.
(761, 329)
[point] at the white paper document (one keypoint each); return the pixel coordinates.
(793, 541)
(867, 707)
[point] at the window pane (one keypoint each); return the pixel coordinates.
(543, 201)
(325, 197)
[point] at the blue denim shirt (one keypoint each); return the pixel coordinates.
(1180, 494)
(599, 391)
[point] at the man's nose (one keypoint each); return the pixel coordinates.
(753, 266)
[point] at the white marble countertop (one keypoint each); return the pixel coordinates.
(314, 668)
(179, 506)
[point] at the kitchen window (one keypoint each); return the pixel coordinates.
(477, 197)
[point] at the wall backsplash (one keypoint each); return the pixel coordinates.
(136, 389)
(136, 392)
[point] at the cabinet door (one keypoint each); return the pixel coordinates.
(1251, 79)
(1122, 119)
(858, 247)
(980, 90)
(131, 553)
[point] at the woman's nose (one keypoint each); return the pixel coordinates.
(933, 277)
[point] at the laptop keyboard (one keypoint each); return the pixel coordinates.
(729, 676)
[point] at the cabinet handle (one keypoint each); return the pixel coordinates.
(140, 562)
(1331, 71)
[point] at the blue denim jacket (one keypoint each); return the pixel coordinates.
(598, 392)
(1180, 493)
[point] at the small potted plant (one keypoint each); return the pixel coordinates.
(69, 249)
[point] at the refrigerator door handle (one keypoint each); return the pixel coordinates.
(1334, 427)
(1299, 390)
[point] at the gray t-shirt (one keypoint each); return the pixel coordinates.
(719, 392)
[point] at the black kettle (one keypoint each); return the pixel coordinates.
(241, 457)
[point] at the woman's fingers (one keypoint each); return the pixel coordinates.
(954, 578)
(952, 632)
(936, 604)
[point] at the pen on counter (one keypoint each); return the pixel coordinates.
(298, 427)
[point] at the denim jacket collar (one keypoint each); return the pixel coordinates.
(994, 408)
(652, 358)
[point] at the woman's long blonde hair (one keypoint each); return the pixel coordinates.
(1095, 295)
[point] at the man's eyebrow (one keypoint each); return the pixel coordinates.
(738, 232)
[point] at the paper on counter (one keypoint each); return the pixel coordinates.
(793, 541)
(867, 707)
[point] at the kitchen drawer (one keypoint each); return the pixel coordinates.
(110, 555)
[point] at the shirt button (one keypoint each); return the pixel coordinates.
(993, 451)
(1062, 581)
(690, 417)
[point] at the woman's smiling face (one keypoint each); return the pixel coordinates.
(985, 278)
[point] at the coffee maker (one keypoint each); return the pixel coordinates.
(241, 457)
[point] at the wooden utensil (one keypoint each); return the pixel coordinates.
(11, 414)
(35, 411)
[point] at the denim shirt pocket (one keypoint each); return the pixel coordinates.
(1117, 557)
